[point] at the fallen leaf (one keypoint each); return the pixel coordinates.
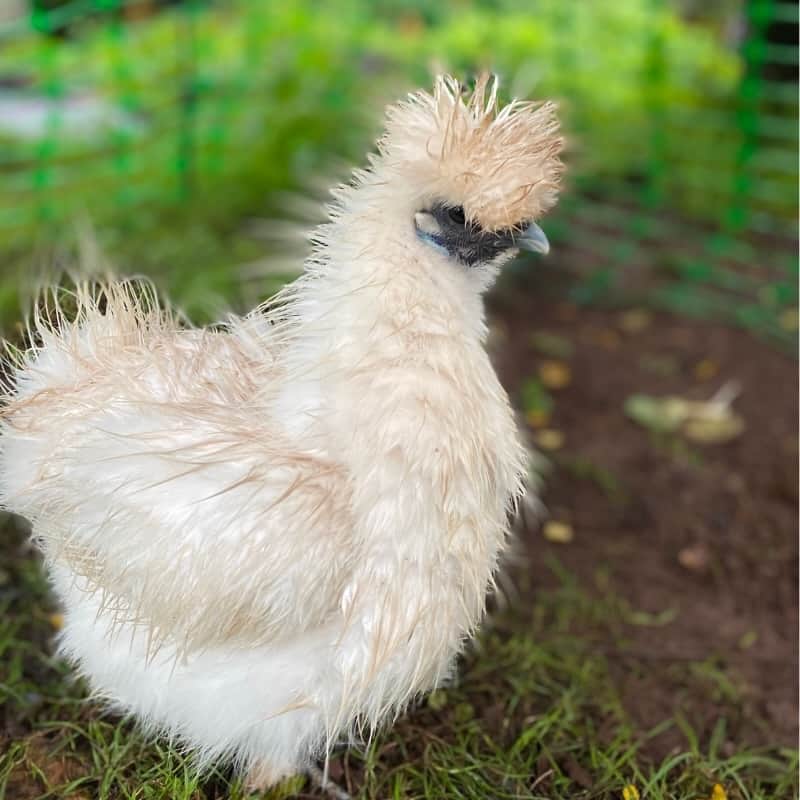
(648, 620)
(788, 319)
(706, 369)
(660, 414)
(549, 439)
(558, 532)
(537, 418)
(605, 337)
(635, 320)
(748, 639)
(551, 344)
(630, 792)
(555, 374)
(718, 792)
(710, 422)
(714, 430)
(694, 558)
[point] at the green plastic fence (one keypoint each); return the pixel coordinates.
(148, 117)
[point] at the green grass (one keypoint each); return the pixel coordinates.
(240, 102)
(203, 268)
(535, 714)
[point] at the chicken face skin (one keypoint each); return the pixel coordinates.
(446, 228)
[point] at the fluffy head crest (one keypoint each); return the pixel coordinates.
(501, 165)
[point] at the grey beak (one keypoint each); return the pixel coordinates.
(533, 239)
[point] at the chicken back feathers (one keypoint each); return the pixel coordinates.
(275, 533)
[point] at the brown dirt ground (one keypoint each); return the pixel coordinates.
(728, 511)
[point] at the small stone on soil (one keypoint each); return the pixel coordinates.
(694, 558)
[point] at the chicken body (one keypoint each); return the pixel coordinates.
(275, 533)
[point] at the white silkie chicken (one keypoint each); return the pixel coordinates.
(273, 534)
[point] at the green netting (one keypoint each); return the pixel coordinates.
(155, 118)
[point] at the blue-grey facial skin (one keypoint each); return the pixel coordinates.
(465, 241)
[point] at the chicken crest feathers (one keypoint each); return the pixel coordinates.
(502, 164)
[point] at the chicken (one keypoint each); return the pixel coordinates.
(273, 534)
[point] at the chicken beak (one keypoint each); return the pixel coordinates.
(533, 239)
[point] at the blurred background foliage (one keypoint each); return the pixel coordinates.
(170, 126)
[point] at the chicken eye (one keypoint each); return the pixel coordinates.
(456, 215)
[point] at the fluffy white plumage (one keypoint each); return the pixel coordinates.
(275, 533)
